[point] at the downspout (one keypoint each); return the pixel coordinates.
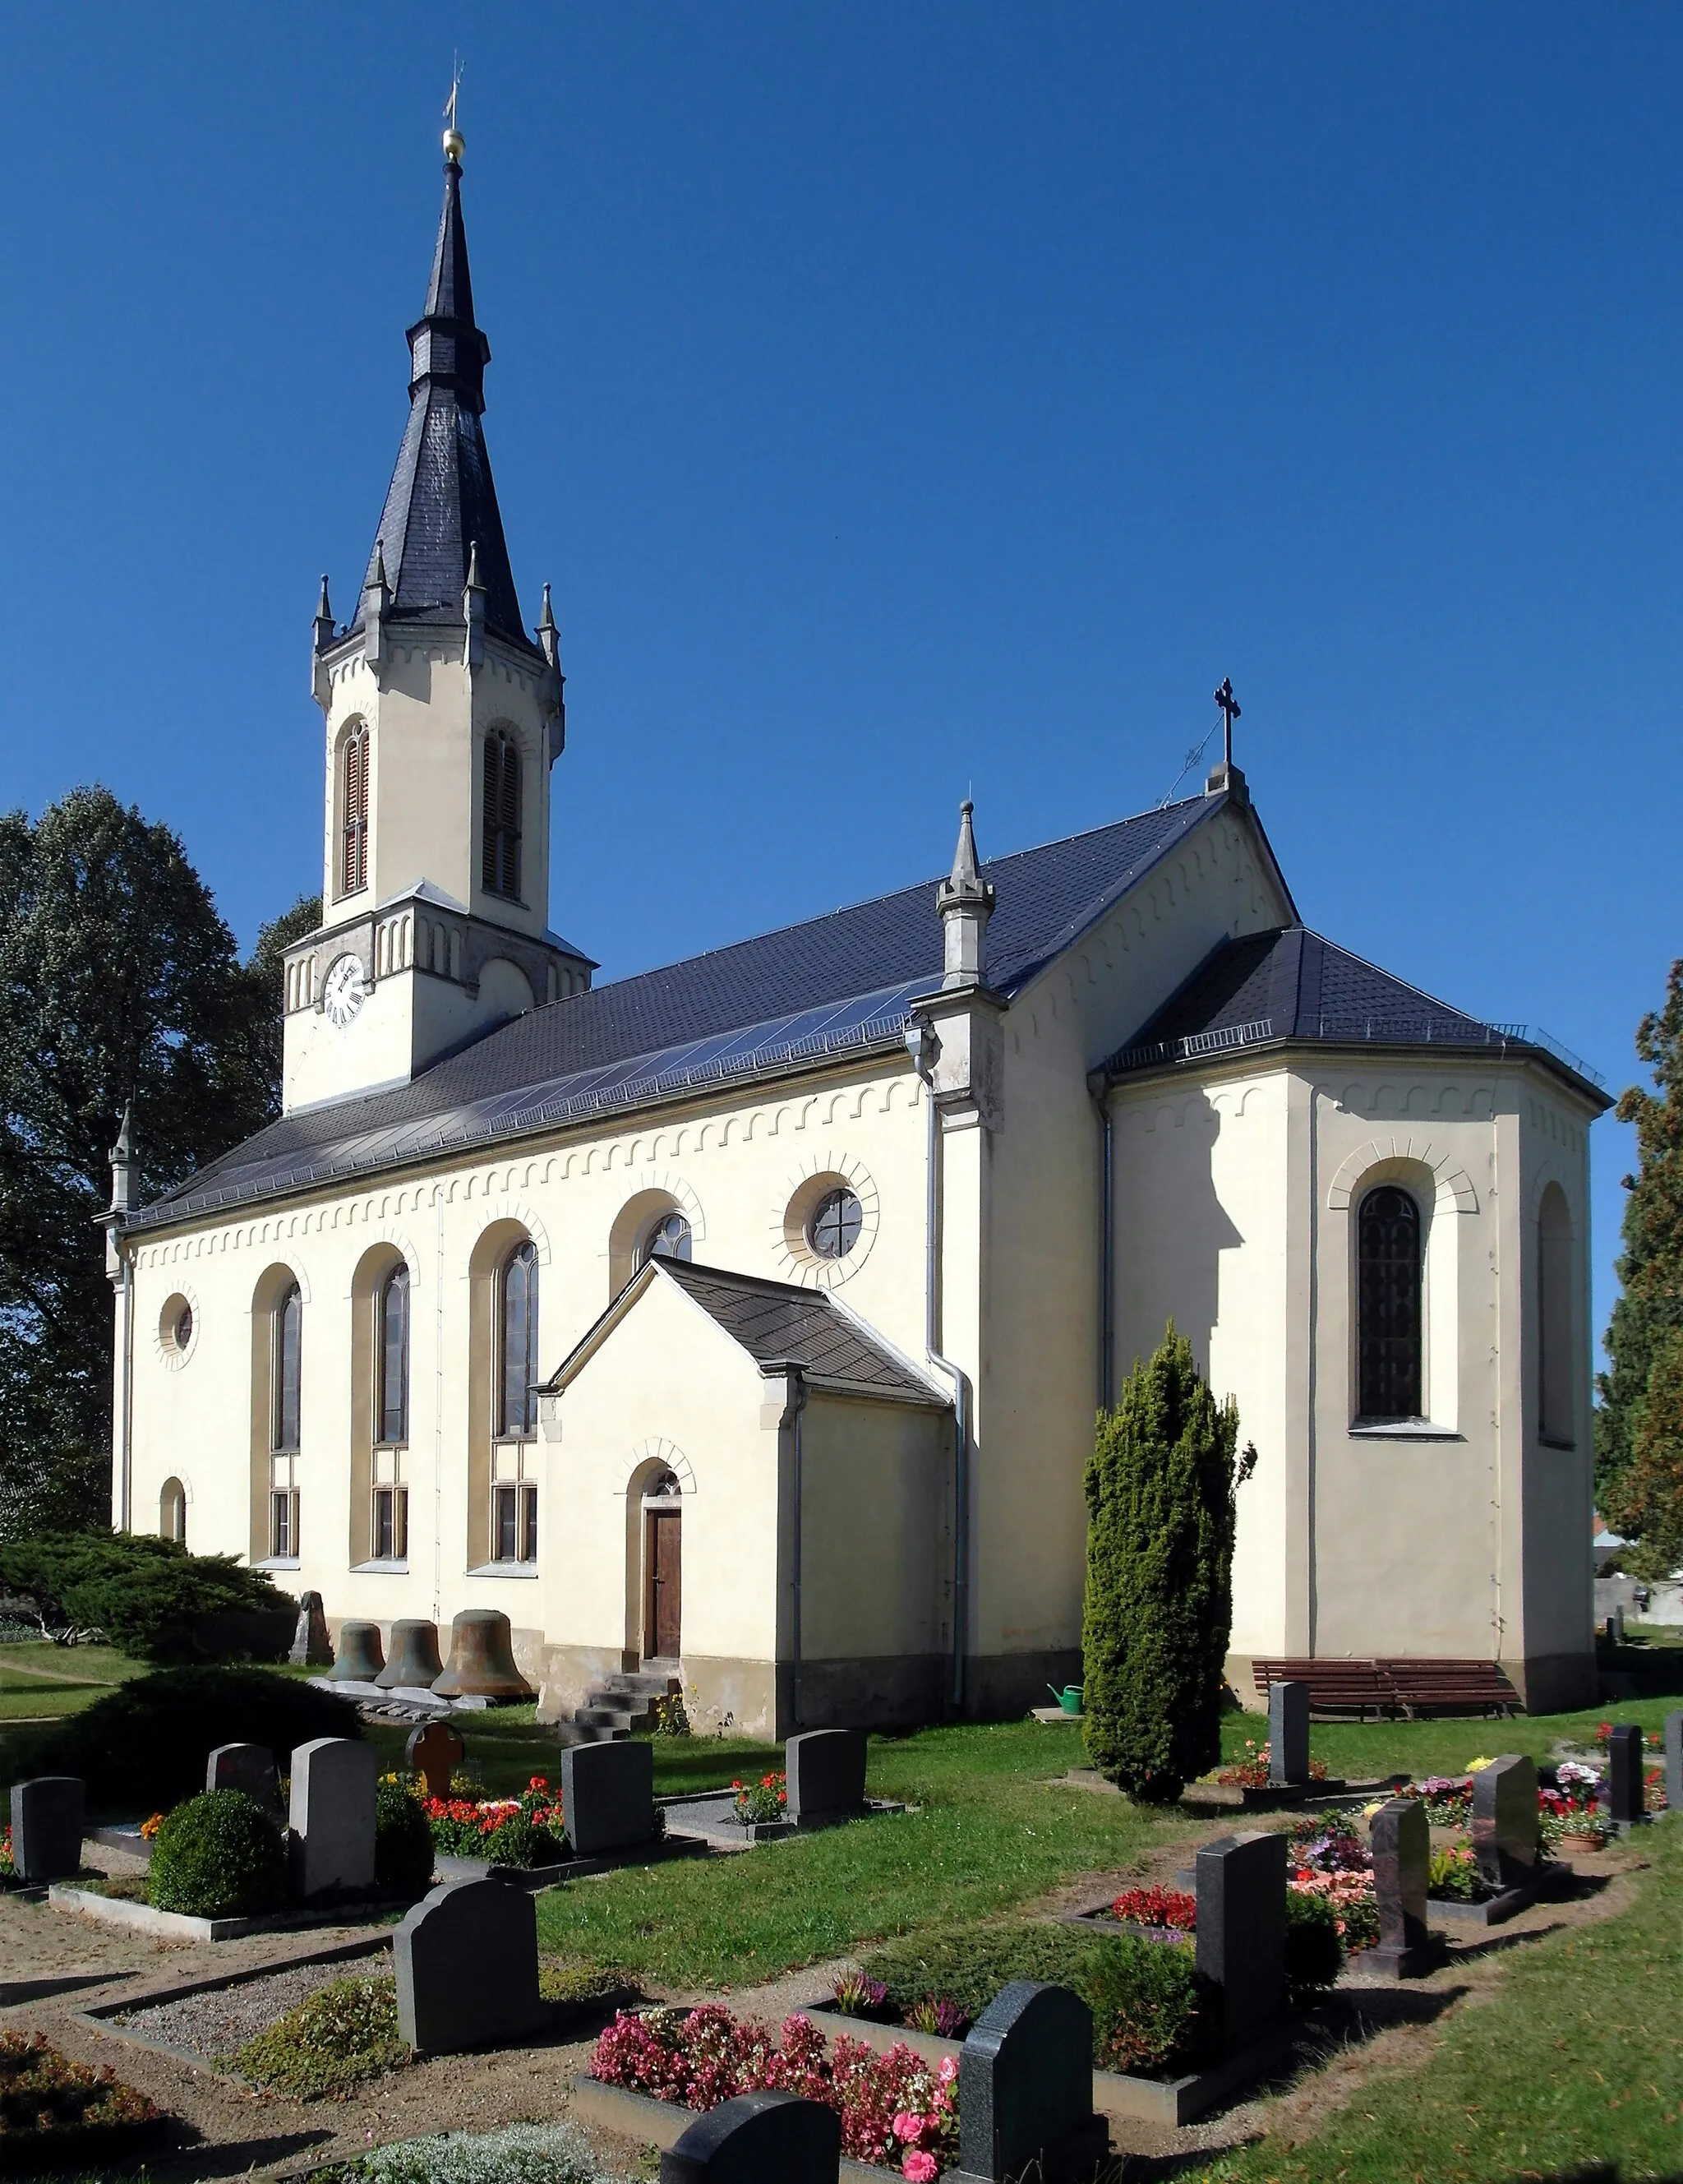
(1098, 1086)
(797, 1406)
(127, 1417)
(924, 1047)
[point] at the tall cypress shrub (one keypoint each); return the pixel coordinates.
(1159, 1592)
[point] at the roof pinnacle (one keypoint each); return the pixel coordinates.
(964, 900)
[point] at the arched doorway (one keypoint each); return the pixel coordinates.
(663, 1605)
(172, 1511)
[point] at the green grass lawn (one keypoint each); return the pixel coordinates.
(1574, 2067)
(38, 1678)
(1358, 1750)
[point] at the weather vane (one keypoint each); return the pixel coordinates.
(1230, 713)
(454, 145)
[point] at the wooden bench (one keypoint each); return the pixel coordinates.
(1335, 1686)
(1450, 1687)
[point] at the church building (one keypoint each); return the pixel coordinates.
(745, 1321)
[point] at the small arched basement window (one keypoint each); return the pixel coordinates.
(353, 866)
(500, 817)
(1388, 1307)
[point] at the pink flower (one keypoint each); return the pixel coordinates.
(908, 2127)
(921, 2168)
(946, 2070)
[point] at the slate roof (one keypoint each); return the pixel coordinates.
(1290, 986)
(831, 985)
(777, 1323)
(442, 500)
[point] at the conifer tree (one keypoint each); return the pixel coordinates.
(1159, 1592)
(1639, 1457)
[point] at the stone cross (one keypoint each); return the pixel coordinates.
(1623, 1796)
(1288, 1733)
(466, 1961)
(434, 1752)
(247, 1767)
(1025, 2088)
(607, 1796)
(1241, 1890)
(332, 1815)
(1402, 1849)
(755, 2137)
(47, 1828)
(311, 1645)
(826, 1772)
(1505, 1821)
(1674, 1762)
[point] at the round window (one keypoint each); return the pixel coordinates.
(184, 1326)
(668, 1239)
(834, 1227)
(176, 1327)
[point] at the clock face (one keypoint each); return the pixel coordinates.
(344, 991)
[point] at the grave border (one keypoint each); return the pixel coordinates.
(184, 1926)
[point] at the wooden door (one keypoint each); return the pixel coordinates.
(662, 1560)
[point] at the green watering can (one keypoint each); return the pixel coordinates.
(1069, 1698)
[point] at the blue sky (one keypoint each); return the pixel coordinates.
(899, 400)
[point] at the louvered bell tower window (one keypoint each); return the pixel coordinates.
(500, 818)
(1388, 1342)
(353, 872)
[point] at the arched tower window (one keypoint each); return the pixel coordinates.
(1388, 1305)
(1556, 1422)
(394, 1358)
(284, 1423)
(353, 862)
(500, 817)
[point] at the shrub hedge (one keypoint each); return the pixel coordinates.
(151, 1598)
(219, 1856)
(1314, 1954)
(402, 1839)
(142, 1748)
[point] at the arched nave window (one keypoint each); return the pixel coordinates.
(513, 1492)
(500, 817)
(353, 868)
(668, 1239)
(389, 1538)
(288, 1387)
(1388, 1305)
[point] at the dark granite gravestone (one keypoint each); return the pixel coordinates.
(826, 1775)
(361, 1658)
(758, 2137)
(311, 1646)
(608, 1797)
(1402, 1849)
(1242, 1928)
(247, 1767)
(466, 1961)
(1288, 1733)
(1674, 1762)
(1505, 1822)
(434, 1752)
(1622, 1799)
(332, 1819)
(46, 1827)
(1025, 2089)
(413, 1660)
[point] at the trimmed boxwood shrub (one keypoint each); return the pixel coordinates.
(1159, 1586)
(143, 1748)
(402, 1839)
(1314, 1953)
(219, 1856)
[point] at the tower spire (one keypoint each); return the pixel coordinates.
(441, 501)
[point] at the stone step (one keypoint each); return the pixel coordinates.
(639, 1684)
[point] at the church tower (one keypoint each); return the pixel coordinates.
(443, 719)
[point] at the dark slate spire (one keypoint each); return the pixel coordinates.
(441, 502)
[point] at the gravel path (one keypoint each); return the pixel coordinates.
(218, 2022)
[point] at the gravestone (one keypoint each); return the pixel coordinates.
(434, 1752)
(1241, 1889)
(826, 1775)
(413, 1660)
(1025, 2089)
(1674, 1762)
(1622, 1795)
(247, 1767)
(47, 1828)
(360, 1656)
(1402, 1851)
(311, 1645)
(755, 2138)
(332, 1815)
(1288, 1733)
(1505, 1822)
(466, 1961)
(608, 1797)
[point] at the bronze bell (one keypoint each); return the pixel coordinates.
(482, 1659)
(414, 1661)
(359, 1659)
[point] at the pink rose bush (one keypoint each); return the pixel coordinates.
(895, 2109)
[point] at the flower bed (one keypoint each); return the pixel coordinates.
(759, 1803)
(1159, 1910)
(1251, 1773)
(55, 2110)
(895, 2108)
(1327, 1858)
(519, 1831)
